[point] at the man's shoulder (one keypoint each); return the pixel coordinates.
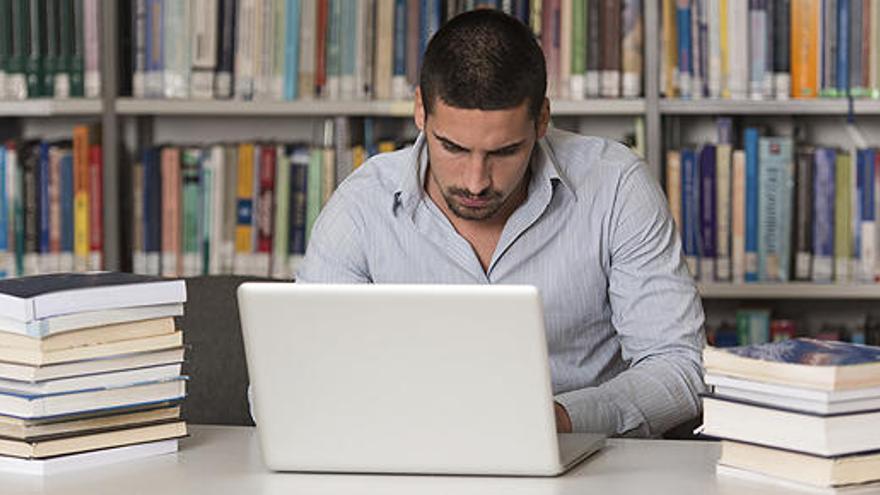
(586, 159)
(377, 178)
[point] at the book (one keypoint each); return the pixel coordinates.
(803, 225)
(89, 336)
(33, 374)
(802, 468)
(724, 472)
(822, 402)
(41, 449)
(27, 429)
(38, 357)
(30, 406)
(823, 365)
(828, 435)
(824, 176)
(751, 141)
(33, 298)
(84, 460)
(775, 185)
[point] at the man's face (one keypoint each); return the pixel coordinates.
(478, 159)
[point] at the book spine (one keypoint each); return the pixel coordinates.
(673, 187)
(385, 55)
(278, 47)
(563, 86)
(155, 53)
(611, 48)
(738, 48)
(206, 213)
(724, 38)
(67, 214)
(738, 217)
(685, 58)
(203, 39)
(803, 261)
(632, 48)
(291, 51)
(722, 195)
(53, 51)
(153, 210)
(264, 48)
(138, 250)
(281, 211)
(594, 48)
(17, 202)
(758, 47)
(867, 215)
(768, 54)
(244, 50)
(265, 230)
(348, 50)
(842, 218)
(321, 32)
(708, 213)
(5, 43)
(314, 200)
(177, 50)
(399, 84)
(96, 208)
(92, 74)
(30, 191)
(775, 177)
(782, 49)
(874, 49)
(171, 212)
(81, 197)
(214, 208)
(577, 88)
(857, 15)
(230, 208)
(5, 245)
(245, 211)
(55, 218)
(226, 29)
(751, 149)
(690, 209)
(333, 63)
(191, 192)
(699, 48)
(843, 36)
(139, 47)
(252, 260)
(366, 40)
(43, 207)
(828, 86)
(307, 57)
(299, 181)
(714, 48)
(36, 48)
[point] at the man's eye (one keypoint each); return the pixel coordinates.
(452, 148)
(505, 152)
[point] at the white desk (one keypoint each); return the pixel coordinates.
(220, 460)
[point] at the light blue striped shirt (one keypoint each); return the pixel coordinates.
(623, 319)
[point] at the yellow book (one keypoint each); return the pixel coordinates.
(81, 142)
(358, 155)
(244, 211)
(670, 49)
(805, 16)
(725, 52)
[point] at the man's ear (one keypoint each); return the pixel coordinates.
(419, 110)
(544, 118)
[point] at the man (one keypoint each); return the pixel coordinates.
(490, 195)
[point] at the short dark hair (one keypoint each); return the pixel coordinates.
(484, 59)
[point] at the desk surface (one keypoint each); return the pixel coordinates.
(219, 460)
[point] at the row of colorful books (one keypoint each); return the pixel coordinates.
(237, 208)
(51, 205)
(87, 379)
(770, 49)
(796, 413)
(50, 48)
(758, 326)
(773, 213)
(352, 50)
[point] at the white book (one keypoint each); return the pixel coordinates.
(757, 41)
(264, 48)
(714, 31)
(29, 373)
(766, 481)
(13, 197)
(87, 460)
(86, 319)
(738, 217)
(563, 86)
(307, 22)
(92, 32)
(697, 13)
(176, 49)
(808, 400)
(113, 379)
(245, 41)
(204, 49)
(216, 164)
(738, 48)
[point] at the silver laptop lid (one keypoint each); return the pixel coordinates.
(398, 378)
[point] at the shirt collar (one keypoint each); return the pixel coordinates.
(410, 190)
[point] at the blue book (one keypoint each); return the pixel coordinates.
(152, 210)
(4, 215)
(430, 13)
(291, 51)
(810, 352)
(776, 187)
(843, 28)
(155, 49)
(865, 216)
(67, 197)
(690, 201)
(43, 202)
(299, 169)
(521, 11)
(400, 38)
(824, 173)
(708, 215)
(685, 62)
(751, 147)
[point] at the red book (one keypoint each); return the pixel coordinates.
(266, 199)
(96, 208)
(321, 46)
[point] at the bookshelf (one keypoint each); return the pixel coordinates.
(790, 291)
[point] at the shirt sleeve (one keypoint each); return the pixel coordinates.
(657, 314)
(335, 251)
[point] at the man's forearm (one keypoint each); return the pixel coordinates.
(645, 400)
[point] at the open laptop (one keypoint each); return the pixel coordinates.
(430, 379)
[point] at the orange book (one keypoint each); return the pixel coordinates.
(171, 245)
(244, 246)
(81, 143)
(805, 20)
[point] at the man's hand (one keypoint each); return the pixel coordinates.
(563, 421)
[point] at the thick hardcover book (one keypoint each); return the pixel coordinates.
(33, 298)
(226, 30)
(803, 234)
(29, 429)
(708, 212)
(27, 373)
(776, 180)
(824, 177)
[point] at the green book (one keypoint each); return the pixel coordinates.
(6, 39)
(65, 48)
(36, 51)
(282, 209)
(191, 202)
(50, 60)
(207, 218)
(77, 57)
(578, 40)
(842, 217)
(15, 67)
(313, 190)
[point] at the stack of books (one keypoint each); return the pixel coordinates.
(798, 411)
(90, 370)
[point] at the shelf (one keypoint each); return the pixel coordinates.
(768, 107)
(50, 107)
(403, 108)
(795, 290)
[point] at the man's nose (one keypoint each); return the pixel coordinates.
(477, 178)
